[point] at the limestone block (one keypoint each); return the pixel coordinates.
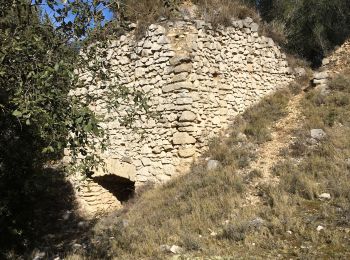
(183, 138)
(156, 47)
(139, 72)
(187, 116)
(185, 67)
(178, 59)
(321, 75)
(184, 101)
(254, 27)
(179, 77)
(187, 152)
(116, 167)
(163, 178)
(188, 129)
(147, 44)
(146, 149)
(146, 161)
(143, 172)
(157, 150)
(177, 86)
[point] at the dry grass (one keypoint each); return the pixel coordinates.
(261, 117)
(147, 12)
(221, 12)
(274, 30)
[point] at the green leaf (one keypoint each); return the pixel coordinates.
(80, 120)
(17, 113)
(48, 149)
(88, 127)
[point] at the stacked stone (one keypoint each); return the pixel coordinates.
(197, 79)
(94, 200)
(338, 60)
(332, 65)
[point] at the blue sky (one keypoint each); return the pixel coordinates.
(106, 12)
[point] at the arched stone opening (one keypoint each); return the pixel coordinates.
(121, 188)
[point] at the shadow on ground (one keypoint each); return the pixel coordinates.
(47, 220)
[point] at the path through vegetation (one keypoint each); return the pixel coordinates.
(270, 152)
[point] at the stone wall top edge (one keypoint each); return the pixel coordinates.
(241, 24)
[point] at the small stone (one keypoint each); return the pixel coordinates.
(187, 116)
(213, 234)
(320, 81)
(325, 61)
(319, 228)
(289, 232)
(183, 138)
(156, 47)
(164, 248)
(146, 161)
(186, 67)
(126, 159)
(171, 249)
(216, 120)
(77, 246)
(200, 24)
(318, 134)
(163, 178)
(300, 72)
(238, 24)
(184, 101)
(256, 223)
(169, 169)
(132, 25)
(247, 22)
(321, 75)
(67, 215)
(176, 249)
(180, 77)
(163, 40)
(254, 27)
(347, 161)
(241, 137)
(39, 256)
(325, 196)
(186, 152)
(213, 165)
(177, 86)
(125, 223)
(323, 88)
(82, 224)
(176, 60)
(139, 72)
(157, 150)
(147, 44)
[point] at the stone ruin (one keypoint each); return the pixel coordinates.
(198, 79)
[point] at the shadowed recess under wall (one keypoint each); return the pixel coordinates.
(123, 189)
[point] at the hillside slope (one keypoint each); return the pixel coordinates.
(276, 186)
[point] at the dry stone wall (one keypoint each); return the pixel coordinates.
(198, 79)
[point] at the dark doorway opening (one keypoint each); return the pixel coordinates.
(123, 189)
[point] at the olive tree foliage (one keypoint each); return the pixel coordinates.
(312, 27)
(39, 56)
